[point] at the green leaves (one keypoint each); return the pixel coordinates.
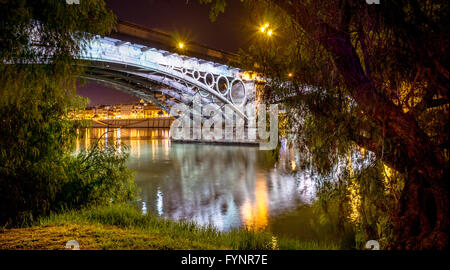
(38, 74)
(97, 176)
(217, 7)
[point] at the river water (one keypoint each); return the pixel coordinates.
(224, 186)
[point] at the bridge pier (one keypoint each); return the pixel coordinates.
(229, 137)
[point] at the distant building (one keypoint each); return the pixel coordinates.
(141, 110)
(126, 111)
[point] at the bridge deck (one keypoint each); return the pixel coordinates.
(164, 41)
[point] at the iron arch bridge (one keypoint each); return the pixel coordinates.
(165, 78)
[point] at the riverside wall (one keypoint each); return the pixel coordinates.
(163, 122)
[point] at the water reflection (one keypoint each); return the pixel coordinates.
(225, 186)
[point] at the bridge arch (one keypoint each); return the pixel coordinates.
(162, 77)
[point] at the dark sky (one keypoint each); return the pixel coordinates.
(189, 20)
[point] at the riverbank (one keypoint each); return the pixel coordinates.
(124, 227)
(161, 122)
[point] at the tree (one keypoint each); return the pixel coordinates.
(39, 42)
(372, 76)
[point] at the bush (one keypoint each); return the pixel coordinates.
(97, 176)
(37, 168)
(40, 174)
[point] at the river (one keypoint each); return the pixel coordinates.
(221, 185)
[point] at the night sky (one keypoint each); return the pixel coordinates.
(189, 20)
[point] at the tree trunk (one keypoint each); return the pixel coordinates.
(421, 220)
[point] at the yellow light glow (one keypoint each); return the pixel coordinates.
(255, 212)
(290, 74)
(269, 33)
(293, 165)
(248, 75)
(264, 27)
(181, 45)
(353, 194)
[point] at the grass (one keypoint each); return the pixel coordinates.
(125, 227)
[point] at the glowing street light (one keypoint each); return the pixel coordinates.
(180, 45)
(264, 27)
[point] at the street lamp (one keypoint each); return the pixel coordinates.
(265, 29)
(180, 45)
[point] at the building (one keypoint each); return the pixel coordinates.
(139, 110)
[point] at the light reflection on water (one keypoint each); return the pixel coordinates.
(225, 186)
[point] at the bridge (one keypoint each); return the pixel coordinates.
(145, 63)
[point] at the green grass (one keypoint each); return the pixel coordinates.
(125, 227)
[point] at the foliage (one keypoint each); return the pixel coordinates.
(97, 176)
(367, 216)
(370, 77)
(39, 41)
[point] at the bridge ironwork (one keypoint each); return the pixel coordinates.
(165, 78)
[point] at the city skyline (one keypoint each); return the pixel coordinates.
(135, 110)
